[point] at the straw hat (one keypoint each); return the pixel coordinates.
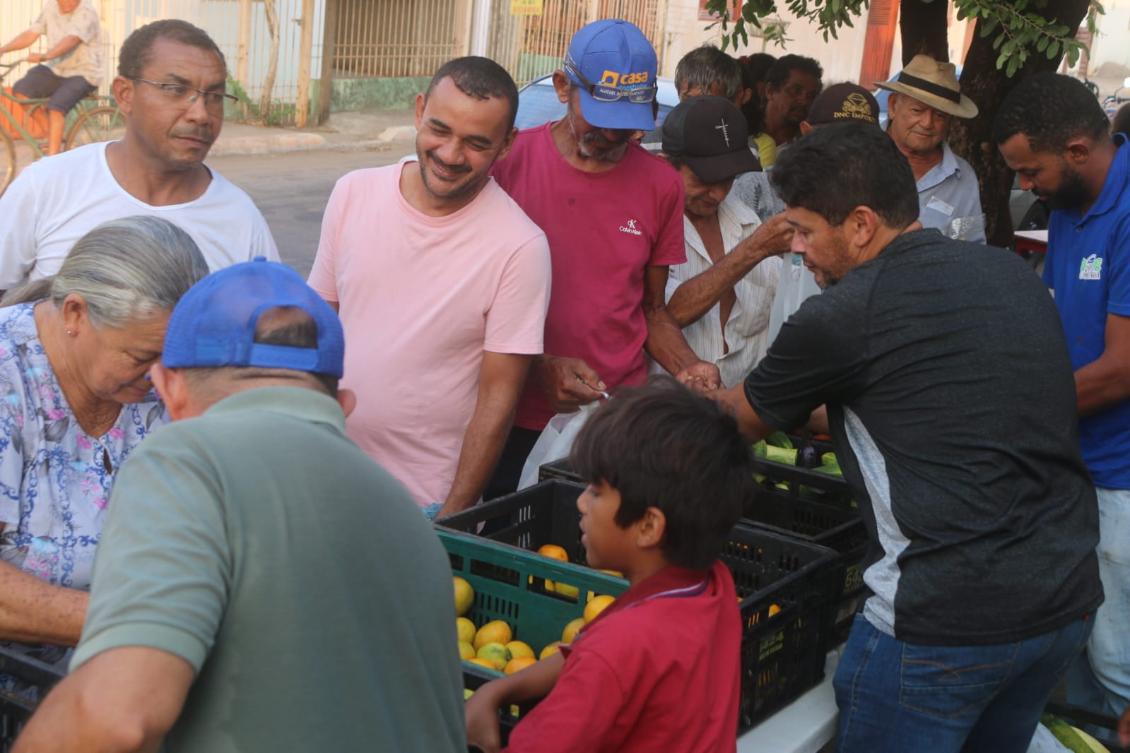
(934, 84)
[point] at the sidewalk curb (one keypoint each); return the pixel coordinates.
(287, 142)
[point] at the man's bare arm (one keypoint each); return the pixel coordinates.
(1106, 380)
(121, 701)
(702, 292)
(501, 379)
(65, 45)
(665, 340)
(21, 41)
(749, 423)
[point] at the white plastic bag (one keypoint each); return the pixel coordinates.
(555, 442)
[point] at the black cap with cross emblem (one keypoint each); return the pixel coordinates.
(709, 134)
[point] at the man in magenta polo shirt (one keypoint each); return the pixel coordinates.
(613, 216)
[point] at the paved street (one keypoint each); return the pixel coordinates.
(291, 190)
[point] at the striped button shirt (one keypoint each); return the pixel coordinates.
(747, 329)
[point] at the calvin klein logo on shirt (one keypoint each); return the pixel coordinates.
(1091, 268)
(630, 228)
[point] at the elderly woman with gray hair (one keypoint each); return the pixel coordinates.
(75, 400)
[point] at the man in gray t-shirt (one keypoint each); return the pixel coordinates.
(262, 585)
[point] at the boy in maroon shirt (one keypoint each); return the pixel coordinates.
(659, 668)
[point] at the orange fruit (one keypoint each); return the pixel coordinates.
(464, 596)
(554, 552)
(483, 663)
(518, 649)
(518, 663)
(495, 653)
(571, 630)
(596, 606)
(495, 631)
(550, 650)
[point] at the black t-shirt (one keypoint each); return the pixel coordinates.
(952, 405)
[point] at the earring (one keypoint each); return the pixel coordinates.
(70, 332)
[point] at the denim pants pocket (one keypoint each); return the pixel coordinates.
(950, 682)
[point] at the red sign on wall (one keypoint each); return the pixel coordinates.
(735, 7)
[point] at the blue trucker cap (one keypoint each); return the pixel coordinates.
(214, 323)
(613, 58)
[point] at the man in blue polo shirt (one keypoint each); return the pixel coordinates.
(1053, 132)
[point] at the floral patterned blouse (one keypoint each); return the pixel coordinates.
(55, 478)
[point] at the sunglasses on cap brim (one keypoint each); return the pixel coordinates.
(638, 94)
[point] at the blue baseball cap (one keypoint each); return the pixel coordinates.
(213, 324)
(614, 66)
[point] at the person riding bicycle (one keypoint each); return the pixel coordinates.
(69, 70)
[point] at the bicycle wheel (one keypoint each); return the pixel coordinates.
(7, 160)
(96, 124)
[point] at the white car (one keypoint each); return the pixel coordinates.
(538, 103)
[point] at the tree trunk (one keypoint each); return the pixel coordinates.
(265, 98)
(923, 27)
(987, 86)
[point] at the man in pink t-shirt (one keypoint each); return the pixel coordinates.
(442, 283)
(613, 215)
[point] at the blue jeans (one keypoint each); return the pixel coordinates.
(1100, 679)
(897, 696)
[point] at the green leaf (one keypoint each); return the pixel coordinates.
(1042, 44)
(1013, 65)
(1053, 49)
(1001, 61)
(1072, 57)
(998, 42)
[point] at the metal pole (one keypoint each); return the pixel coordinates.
(306, 48)
(244, 43)
(480, 27)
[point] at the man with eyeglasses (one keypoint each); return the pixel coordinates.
(170, 89)
(613, 216)
(70, 68)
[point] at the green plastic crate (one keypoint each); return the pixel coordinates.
(509, 585)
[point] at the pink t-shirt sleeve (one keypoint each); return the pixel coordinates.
(670, 248)
(516, 320)
(323, 275)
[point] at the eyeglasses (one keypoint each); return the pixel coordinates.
(604, 93)
(187, 95)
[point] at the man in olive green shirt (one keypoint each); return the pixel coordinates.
(262, 585)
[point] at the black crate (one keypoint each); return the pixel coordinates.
(559, 469)
(16, 708)
(545, 513)
(803, 483)
(798, 483)
(475, 677)
(837, 528)
(782, 654)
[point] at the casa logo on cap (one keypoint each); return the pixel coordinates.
(615, 80)
(855, 107)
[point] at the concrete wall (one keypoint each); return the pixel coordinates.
(376, 93)
(1110, 52)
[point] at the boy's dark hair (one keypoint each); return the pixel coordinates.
(481, 78)
(706, 65)
(1050, 109)
(135, 51)
(778, 73)
(663, 446)
(841, 166)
